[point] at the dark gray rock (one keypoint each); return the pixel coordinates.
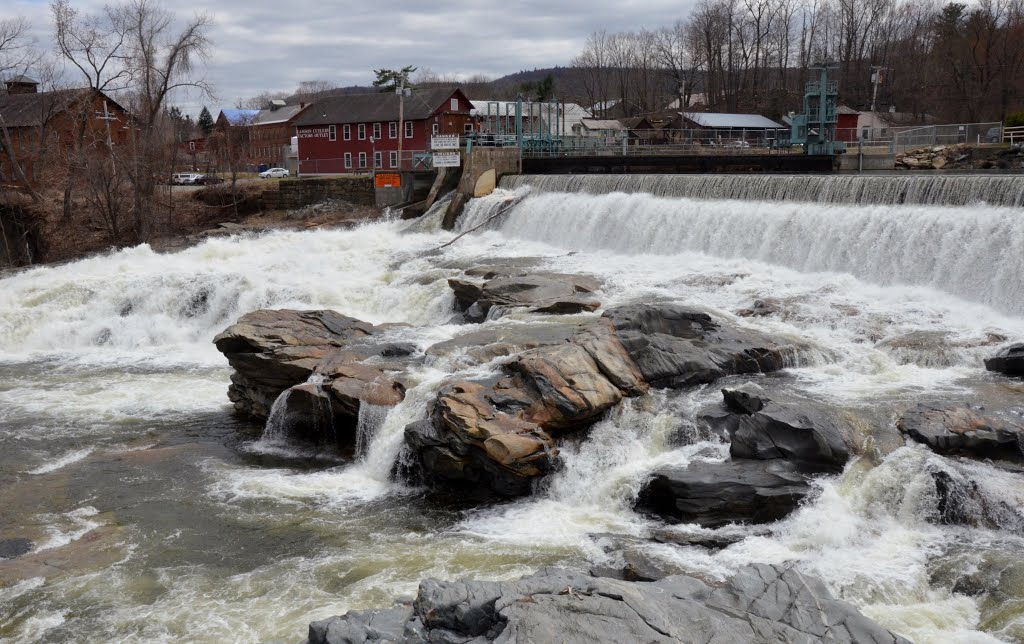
(487, 287)
(680, 346)
(961, 501)
(714, 494)
(11, 548)
(961, 428)
(762, 429)
(356, 627)
(759, 604)
(1009, 360)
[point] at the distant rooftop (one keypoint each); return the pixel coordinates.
(719, 120)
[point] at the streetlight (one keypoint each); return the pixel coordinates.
(402, 93)
(373, 157)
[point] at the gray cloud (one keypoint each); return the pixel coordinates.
(261, 45)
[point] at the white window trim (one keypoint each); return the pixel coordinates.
(361, 131)
(348, 160)
(409, 129)
(393, 158)
(378, 160)
(393, 130)
(362, 160)
(455, 105)
(467, 128)
(346, 132)
(332, 132)
(376, 131)
(435, 129)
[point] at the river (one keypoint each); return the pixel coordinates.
(157, 515)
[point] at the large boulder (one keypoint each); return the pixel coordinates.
(497, 432)
(759, 428)
(961, 428)
(759, 604)
(715, 494)
(1010, 361)
(277, 350)
(488, 287)
(681, 346)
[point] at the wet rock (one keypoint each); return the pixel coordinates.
(483, 344)
(11, 548)
(961, 501)
(1009, 361)
(558, 293)
(498, 431)
(762, 429)
(374, 625)
(761, 308)
(716, 540)
(759, 604)
(964, 429)
(715, 494)
(277, 350)
(680, 346)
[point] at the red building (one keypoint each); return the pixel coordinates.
(846, 124)
(343, 134)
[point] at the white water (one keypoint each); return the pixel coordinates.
(975, 253)
(116, 350)
(934, 189)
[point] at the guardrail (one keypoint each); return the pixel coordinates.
(951, 134)
(1013, 135)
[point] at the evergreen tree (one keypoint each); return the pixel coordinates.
(388, 80)
(206, 121)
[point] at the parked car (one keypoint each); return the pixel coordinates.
(274, 173)
(994, 135)
(185, 178)
(208, 179)
(739, 143)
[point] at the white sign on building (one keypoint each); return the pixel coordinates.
(447, 160)
(444, 142)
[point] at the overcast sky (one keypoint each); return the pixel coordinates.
(262, 45)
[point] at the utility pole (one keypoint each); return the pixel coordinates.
(401, 91)
(876, 80)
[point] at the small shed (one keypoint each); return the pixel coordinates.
(600, 128)
(716, 127)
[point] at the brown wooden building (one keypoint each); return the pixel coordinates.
(40, 129)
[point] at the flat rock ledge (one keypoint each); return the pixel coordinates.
(966, 430)
(760, 603)
(484, 288)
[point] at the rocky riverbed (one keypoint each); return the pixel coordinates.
(310, 373)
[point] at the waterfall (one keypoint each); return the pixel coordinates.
(970, 252)
(279, 424)
(371, 418)
(947, 190)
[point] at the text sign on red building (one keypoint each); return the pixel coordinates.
(388, 180)
(315, 133)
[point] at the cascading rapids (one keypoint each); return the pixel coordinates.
(944, 190)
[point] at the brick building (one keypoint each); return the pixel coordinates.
(45, 126)
(344, 134)
(270, 134)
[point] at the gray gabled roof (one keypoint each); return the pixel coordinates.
(715, 120)
(376, 107)
(35, 109)
(280, 115)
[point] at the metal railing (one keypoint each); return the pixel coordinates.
(952, 134)
(1013, 135)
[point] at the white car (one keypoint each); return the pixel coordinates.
(274, 173)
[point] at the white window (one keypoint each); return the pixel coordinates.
(332, 134)
(362, 159)
(455, 105)
(378, 161)
(376, 131)
(192, 145)
(467, 128)
(348, 160)
(392, 130)
(393, 158)
(346, 132)
(362, 131)
(435, 129)
(408, 129)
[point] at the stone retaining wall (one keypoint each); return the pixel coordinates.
(296, 193)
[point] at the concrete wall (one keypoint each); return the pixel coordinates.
(296, 193)
(849, 162)
(502, 160)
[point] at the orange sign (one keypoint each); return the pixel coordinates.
(389, 180)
